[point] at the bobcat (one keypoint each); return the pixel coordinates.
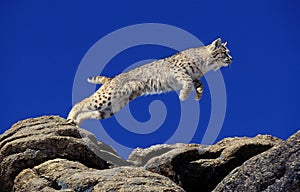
(180, 71)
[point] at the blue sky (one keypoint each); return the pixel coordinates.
(43, 42)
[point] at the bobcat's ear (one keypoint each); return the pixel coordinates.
(215, 44)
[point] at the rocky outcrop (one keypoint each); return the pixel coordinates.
(48, 154)
(31, 142)
(61, 174)
(277, 169)
(140, 156)
(197, 167)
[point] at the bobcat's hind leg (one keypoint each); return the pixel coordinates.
(87, 115)
(198, 88)
(76, 110)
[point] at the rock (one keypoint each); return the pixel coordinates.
(64, 175)
(277, 169)
(140, 156)
(196, 167)
(31, 142)
(48, 154)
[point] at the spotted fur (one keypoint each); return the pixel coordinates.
(181, 71)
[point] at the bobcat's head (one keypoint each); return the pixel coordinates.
(219, 55)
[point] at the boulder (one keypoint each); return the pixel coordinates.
(65, 175)
(277, 169)
(140, 156)
(33, 141)
(196, 167)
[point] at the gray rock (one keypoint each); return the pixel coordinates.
(140, 156)
(277, 169)
(48, 154)
(64, 175)
(33, 141)
(196, 167)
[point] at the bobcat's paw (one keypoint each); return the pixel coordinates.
(199, 93)
(183, 96)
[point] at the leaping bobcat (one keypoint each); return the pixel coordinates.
(180, 71)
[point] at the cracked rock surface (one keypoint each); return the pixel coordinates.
(48, 154)
(277, 169)
(64, 175)
(33, 141)
(197, 167)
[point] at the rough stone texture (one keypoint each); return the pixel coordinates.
(197, 167)
(33, 141)
(277, 169)
(64, 175)
(140, 156)
(48, 154)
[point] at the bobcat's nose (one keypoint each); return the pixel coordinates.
(228, 59)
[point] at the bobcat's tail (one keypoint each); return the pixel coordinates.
(98, 79)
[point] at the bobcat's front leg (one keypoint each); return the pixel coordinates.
(198, 88)
(186, 82)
